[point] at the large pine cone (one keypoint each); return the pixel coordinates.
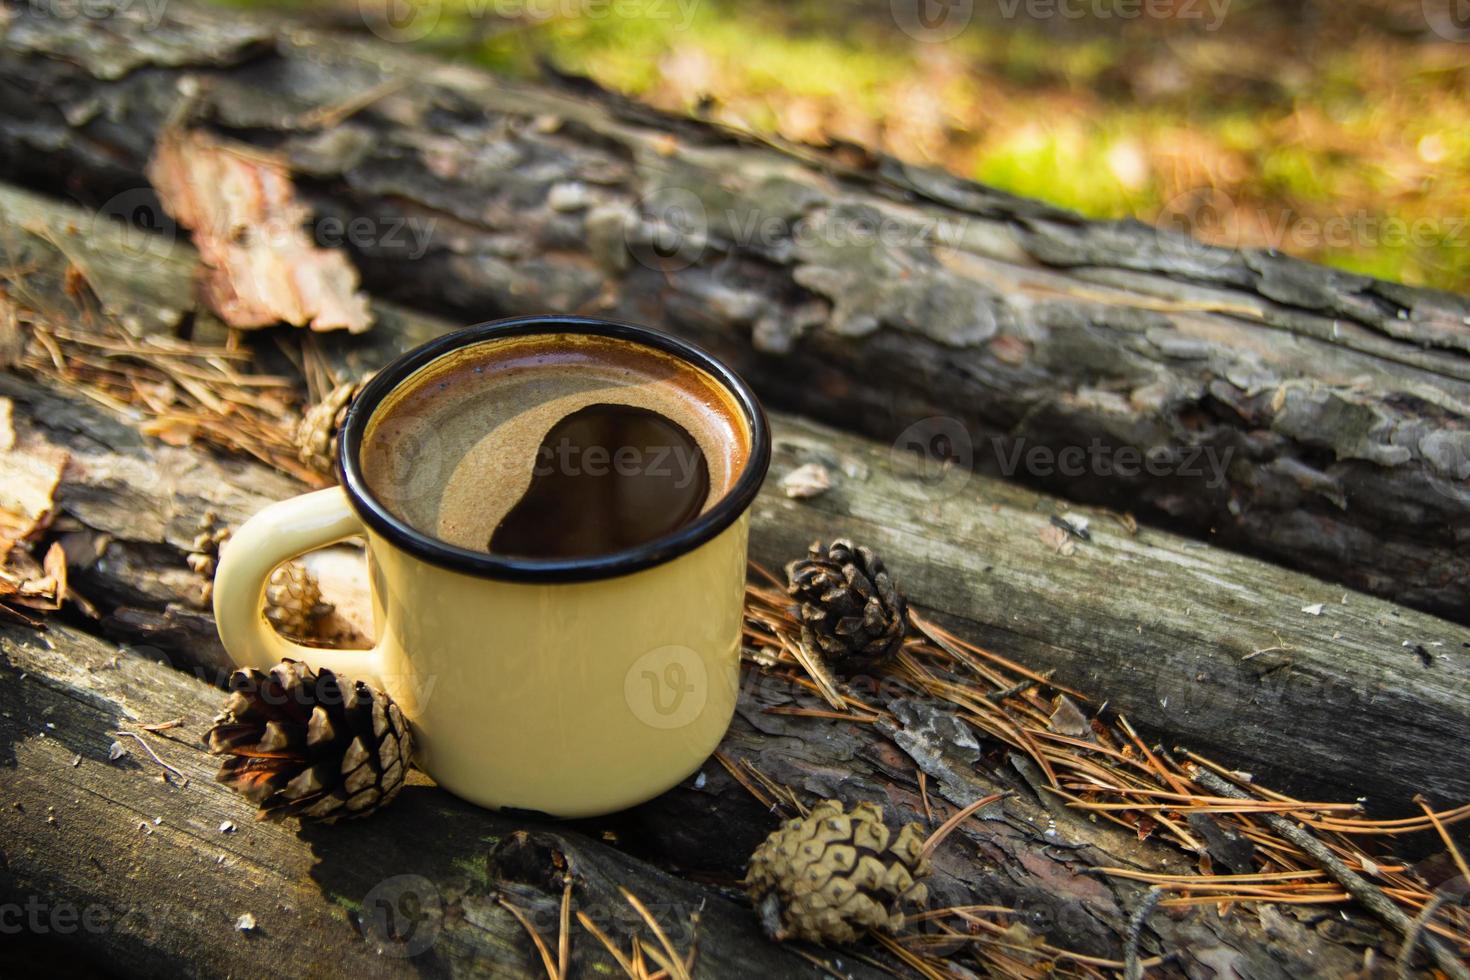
(851, 610)
(316, 433)
(833, 875)
(304, 744)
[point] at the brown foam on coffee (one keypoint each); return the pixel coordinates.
(454, 448)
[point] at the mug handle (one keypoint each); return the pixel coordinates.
(280, 532)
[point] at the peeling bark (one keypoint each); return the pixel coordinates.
(259, 267)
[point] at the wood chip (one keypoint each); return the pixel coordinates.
(1058, 540)
(12, 340)
(7, 425)
(260, 266)
(1067, 719)
(807, 480)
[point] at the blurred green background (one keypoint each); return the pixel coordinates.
(1337, 131)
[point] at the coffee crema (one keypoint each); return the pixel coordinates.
(554, 446)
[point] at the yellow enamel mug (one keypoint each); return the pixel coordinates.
(570, 687)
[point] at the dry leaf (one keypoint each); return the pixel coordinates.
(46, 591)
(28, 481)
(260, 266)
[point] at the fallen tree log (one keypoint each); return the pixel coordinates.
(1309, 415)
(1356, 698)
(1219, 650)
(140, 876)
(172, 880)
(135, 875)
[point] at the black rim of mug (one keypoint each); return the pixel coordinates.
(704, 528)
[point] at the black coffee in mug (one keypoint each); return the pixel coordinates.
(555, 446)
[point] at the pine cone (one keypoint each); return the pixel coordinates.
(204, 551)
(306, 744)
(831, 876)
(293, 599)
(316, 433)
(851, 611)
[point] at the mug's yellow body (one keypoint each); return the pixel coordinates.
(568, 698)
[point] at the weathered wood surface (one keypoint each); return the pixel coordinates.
(81, 831)
(874, 295)
(1209, 646)
(84, 832)
(167, 870)
(171, 904)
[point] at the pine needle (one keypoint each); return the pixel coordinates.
(546, 960)
(612, 949)
(946, 828)
(674, 964)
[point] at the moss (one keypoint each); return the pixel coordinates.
(351, 905)
(474, 869)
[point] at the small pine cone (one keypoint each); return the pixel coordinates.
(851, 611)
(310, 745)
(316, 433)
(204, 551)
(293, 599)
(833, 875)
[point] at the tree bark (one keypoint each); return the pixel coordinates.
(138, 877)
(84, 831)
(168, 869)
(1363, 698)
(1311, 416)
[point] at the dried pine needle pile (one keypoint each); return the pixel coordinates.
(1105, 769)
(185, 392)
